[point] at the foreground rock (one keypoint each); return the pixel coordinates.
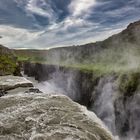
(28, 116)
(12, 82)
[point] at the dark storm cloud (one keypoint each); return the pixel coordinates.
(49, 23)
(11, 14)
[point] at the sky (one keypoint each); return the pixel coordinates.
(42, 24)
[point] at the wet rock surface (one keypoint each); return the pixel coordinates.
(28, 116)
(12, 82)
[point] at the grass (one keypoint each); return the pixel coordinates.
(110, 60)
(129, 82)
(7, 64)
(101, 67)
(34, 59)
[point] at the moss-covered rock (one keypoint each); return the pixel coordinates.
(128, 83)
(7, 61)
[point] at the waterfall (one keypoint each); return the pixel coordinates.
(119, 113)
(106, 95)
(103, 105)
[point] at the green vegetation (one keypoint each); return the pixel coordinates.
(31, 55)
(7, 64)
(31, 59)
(108, 61)
(128, 83)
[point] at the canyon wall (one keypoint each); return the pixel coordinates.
(113, 97)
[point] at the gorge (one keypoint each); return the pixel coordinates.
(113, 97)
(102, 76)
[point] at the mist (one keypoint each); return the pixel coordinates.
(92, 75)
(105, 93)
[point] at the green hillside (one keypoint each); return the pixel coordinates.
(118, 53)
(7, 61)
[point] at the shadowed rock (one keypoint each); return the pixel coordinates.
(3, 92)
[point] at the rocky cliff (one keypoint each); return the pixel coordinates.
(77, 84)
(113, 96)
(40, 116)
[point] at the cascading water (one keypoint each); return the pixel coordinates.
(106, 95)
(103, 105)
(120, 115)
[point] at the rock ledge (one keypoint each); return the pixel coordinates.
(11, 82)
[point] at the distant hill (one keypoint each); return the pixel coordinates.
(31, 55)
(120, 51)
(7, 61)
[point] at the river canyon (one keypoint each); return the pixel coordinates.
(86, 92)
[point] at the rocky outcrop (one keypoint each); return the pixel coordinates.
(12, 82)
(48, 117)
(34, 90)
(2, 92)
(35, 115)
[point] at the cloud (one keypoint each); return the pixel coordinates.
(80, 7)
(51, 23)
(36, 7)
(16, 37)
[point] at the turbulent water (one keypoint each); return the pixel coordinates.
(103, 106)
(107, 91)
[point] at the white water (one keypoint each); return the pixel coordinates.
(104, 106)
(104, 103)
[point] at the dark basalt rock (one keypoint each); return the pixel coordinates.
(78, 84)
(3, 92)
(29, 68)
(34, 90)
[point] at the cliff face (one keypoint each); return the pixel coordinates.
(113, 97)
(7, 62)
(77, 84)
